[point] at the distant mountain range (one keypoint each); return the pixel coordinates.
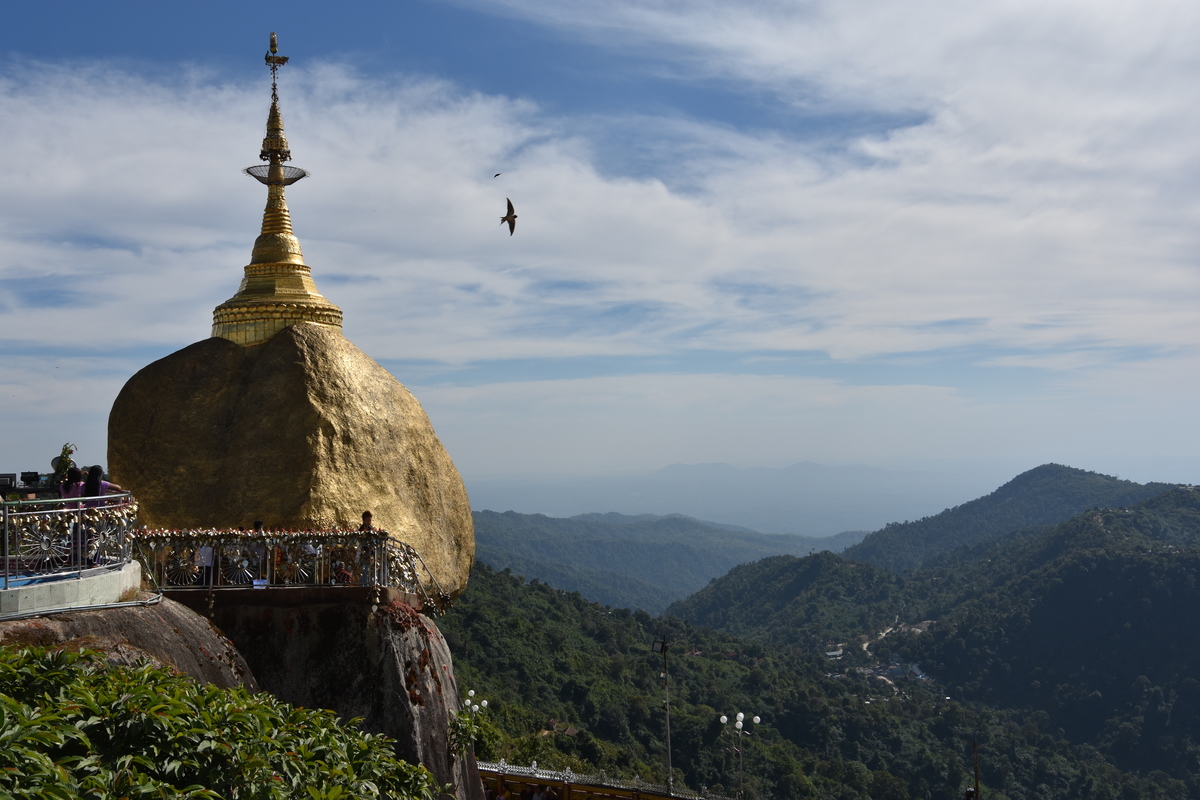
(643, 561)
(572, 684)
(805, 499)
(648, 561)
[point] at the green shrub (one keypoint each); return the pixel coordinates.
(71, 726)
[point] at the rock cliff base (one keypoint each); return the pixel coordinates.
(376, 659)
(165, 633)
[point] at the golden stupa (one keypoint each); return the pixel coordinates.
(278, 417)
(277, 289)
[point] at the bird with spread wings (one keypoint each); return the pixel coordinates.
(510, 218)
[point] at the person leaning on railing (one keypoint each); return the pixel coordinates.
(95, 486)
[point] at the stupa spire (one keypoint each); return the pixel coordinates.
(277, 289)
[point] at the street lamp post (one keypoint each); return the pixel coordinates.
(474, 708)
(660, 646)
(739, 720)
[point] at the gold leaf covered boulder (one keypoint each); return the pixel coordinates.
(303, 431)
(279, 418)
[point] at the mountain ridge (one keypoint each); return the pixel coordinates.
(1089, 623)
(1044, 495)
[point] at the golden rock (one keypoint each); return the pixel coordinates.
(303, 431)
(279, 418)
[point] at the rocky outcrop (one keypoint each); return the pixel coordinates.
(304, 431)
(165, 633)
(363, 654)
(372, 657)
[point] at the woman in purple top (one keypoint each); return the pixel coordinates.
(73, 485)
(94, 487)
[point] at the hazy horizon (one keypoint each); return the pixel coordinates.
(805, 498)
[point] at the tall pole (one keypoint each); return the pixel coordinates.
(739, 728)
(667, 707)
(975, 747)
(741, 788)
(660, 646)
(473, 709)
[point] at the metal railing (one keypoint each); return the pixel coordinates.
(216, 560)
(64, 537)
(581, 780)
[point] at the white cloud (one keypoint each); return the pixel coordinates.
(1037, 214)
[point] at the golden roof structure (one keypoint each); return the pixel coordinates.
(277, 288)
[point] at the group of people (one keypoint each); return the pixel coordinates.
(528, 793)
(94, 485)
(84, 550)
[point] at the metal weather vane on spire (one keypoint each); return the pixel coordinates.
(275, 146)
(275, 61)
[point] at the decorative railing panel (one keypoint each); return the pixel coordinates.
(60, 537)
(582, 780)
(234, 559)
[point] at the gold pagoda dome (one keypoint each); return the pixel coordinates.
(277, 288)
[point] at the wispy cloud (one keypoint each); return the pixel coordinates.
(1026, 202)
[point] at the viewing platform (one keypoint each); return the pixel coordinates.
(293, 567)
(569, 785)
(88, 552)
(66, 554)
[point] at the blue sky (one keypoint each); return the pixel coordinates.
(761, 233)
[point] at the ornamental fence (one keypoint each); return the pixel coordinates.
(580, 786)
(62, 538)
(218, 560)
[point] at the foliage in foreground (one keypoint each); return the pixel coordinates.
(71, 726)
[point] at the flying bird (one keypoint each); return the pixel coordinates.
(511, 218)
(498, 174)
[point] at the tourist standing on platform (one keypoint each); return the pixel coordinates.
(72, 485)
(95, 486)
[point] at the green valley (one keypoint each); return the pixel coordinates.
(642, 561)
(1065, 648)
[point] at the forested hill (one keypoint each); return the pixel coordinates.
(807, 603)
(641, 561)
(574, 684)
(1090, 623)
(1093, 623)
(1044, 495)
